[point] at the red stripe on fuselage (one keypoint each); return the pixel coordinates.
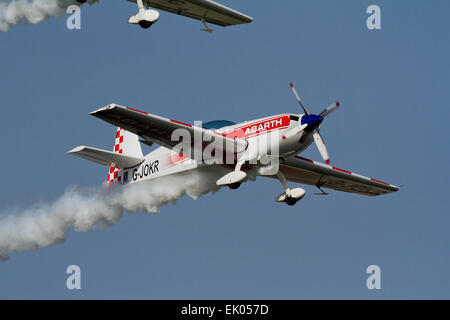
(175, 158)
(260, 127)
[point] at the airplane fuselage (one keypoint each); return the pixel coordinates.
(283, 132)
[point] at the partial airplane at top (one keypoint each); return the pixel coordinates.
(203, 10)
(268, 146)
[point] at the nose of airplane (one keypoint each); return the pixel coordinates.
(312, 120)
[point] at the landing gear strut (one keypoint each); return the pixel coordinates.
(290, 196)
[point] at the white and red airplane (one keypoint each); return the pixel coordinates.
(203, 10)
(268, 146)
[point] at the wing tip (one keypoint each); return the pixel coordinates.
(392, 187)
(76, 149)
(107, 107)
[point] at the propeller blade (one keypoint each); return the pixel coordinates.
(329, 110)
(321, 146)
(298, 98)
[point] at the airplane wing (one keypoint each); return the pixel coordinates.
(159, 130)
(306, 171)
(211, 11)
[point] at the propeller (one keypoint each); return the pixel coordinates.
(321, 146)
(329, 109)
(298, 98)
(313, 122)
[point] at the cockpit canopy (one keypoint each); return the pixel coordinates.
(217, 124)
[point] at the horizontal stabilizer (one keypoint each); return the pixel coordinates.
(106, 158)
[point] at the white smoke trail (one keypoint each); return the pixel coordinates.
(82, 210)
(34, 11)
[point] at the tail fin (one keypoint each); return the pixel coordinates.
(126, 143)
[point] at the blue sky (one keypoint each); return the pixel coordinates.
(393, 85)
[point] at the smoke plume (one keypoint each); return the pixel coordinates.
(85, 209)
(34, 11)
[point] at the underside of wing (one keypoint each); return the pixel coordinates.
(160, 130)
(306, 171)
(210, 11)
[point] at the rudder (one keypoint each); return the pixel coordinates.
(126, 143)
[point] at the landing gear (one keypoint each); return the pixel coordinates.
(234, 178)
(145, 24)
(235, 185)
(291, 201)
(145, 17)
(290, 196)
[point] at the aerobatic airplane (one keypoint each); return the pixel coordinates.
(267, 146)
(203, 10)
